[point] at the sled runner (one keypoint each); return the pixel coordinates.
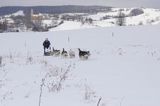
(47, 54)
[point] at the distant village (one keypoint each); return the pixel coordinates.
(26, 21)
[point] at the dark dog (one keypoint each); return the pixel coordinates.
(64, 53)
(84, 54)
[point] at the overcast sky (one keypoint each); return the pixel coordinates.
(114, 3)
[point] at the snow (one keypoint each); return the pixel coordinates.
(70, 25)
(146, 18)
(150, 16)
(18, 13)
(123, 68)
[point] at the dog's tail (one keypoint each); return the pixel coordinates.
(53, 48)
(79, 49)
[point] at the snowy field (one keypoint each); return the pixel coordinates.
(123, 69)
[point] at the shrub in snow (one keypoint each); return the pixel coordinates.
(136, 11)
(55, 77)
(10, 56)
(29, 59)
(140, 23)
(44, 62)
(89, 94)
(150, 21)
(0, 60)
(106, 17)
(157, 19)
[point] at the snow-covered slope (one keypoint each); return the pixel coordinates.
(18, 13)
(109, 18)
(149, 16)
(123, 69)
(71, 25)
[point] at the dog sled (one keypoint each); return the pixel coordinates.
(47, 52)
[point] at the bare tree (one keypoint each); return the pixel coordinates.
(3, 26)
(121, 18)
(0, 61)
(28, 18)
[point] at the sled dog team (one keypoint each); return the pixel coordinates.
(64, 53)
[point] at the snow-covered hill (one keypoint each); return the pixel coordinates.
(123, 69)
(134, 17)
(71, 25)
(19, 13)
(70, 21)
